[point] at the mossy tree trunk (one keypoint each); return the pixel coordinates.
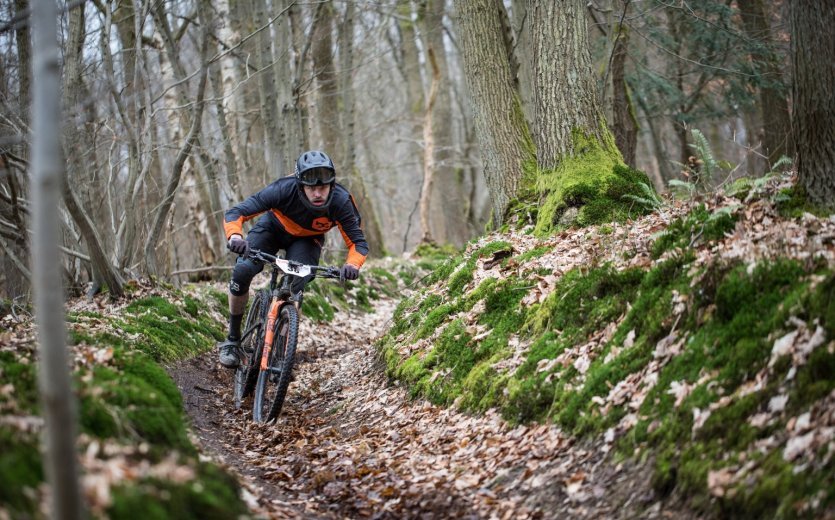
(814, 104)
(564, 87)
(501, 129)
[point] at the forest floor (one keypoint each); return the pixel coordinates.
(350, 444)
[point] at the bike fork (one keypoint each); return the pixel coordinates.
(272, 317)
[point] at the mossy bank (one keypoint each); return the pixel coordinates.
(130, 411)
(704, 346)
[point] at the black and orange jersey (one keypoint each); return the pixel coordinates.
(282, 199)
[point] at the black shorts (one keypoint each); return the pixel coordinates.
(269, 236)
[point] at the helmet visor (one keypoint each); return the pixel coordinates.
(317, 176)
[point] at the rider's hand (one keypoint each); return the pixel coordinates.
(349, 272)
(238, 245)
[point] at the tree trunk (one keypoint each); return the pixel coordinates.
(288, 85)
(773, 103)
(325, 74)
(267, 94)
(448, 198)
(429, 151)
(813, 41)
(409, 65)
(500, 124)
(24, 60)
(566, 94)
(371, 223)
(624, 124)
(47, 175)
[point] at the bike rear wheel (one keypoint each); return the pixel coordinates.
(271, 387)
(247, 373)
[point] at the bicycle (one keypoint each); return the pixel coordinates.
(268, 343)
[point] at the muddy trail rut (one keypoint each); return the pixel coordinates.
(349, 444)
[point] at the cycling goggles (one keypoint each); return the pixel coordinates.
(317, 176)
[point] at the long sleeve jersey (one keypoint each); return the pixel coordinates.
(283, 199)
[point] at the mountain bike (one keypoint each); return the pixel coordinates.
(271, 331)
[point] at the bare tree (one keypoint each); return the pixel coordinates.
(104, 271)
(47, 176)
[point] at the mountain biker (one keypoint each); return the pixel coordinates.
(297, 212)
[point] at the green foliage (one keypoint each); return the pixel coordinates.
(696, 227)
(701, 167)
(649, 199)
(212, 495)
(706, 46)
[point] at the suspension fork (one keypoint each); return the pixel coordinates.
(272, 317)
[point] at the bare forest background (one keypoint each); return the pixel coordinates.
(174, 110)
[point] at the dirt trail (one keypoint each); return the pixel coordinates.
(349, 444)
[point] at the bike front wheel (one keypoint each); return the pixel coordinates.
(275, 372)
(251, 344)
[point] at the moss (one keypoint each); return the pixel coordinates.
(220, 299)
(697, 227)
(134, 401)
(594, 180)
(20, 470)
(170, 331)
(317, 308)
(22, 376)
(130, 399)
(793, 202)
(212, 495)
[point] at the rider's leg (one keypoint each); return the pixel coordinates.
(262, 237)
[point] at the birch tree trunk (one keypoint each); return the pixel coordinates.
(273, 158)
(47, 176)
(429, 151)
(288, 80)
(500, 124)
(813, 41)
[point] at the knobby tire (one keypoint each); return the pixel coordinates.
(247, 373)
(271, 387)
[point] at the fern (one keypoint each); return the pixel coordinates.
(649, 199)
(782, 161)
(705, 154)
(686, 188)
(723, 212)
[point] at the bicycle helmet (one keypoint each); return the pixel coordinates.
(314, 168)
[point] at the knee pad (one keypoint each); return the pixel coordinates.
(242, 276)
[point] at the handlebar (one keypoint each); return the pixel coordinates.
(293, 268)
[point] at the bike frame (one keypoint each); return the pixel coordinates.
(278, 300)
